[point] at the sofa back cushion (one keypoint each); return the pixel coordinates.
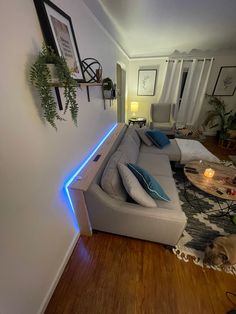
(130, 148)
(111, 181)
(131, 131)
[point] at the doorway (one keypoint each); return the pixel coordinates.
(121, 91)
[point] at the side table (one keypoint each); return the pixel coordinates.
(139, 120)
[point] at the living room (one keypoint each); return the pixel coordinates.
(39, 229)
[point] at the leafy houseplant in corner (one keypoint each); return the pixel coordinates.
(42, 77)
(231, 130)
(218, 116)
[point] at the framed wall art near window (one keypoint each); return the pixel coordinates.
(58, 33)
(226, 81)
(146, 82)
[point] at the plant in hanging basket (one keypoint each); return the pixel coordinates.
(42, 75)
(108, 87)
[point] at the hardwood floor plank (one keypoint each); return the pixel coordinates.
(211, 143)
(113, 274)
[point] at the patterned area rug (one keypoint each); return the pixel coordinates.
(203, 223)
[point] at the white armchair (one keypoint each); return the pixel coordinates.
(162, 117)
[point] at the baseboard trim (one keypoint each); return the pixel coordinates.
(58, 274)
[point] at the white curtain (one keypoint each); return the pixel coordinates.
(171, 88)
(194, 92)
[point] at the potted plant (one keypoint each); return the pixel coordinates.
(231, 130)
(218, 116)
(42, 72)
(108, 88)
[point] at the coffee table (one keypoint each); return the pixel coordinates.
(216, 187)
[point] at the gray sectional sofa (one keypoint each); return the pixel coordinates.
(107, 201)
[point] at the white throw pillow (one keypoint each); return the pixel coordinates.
(134, 188)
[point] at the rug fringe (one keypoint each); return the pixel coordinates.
(181, 255)
(184, 256)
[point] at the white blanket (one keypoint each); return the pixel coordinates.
(194, 150)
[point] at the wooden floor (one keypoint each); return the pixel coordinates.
(110, 274)
(212, 145)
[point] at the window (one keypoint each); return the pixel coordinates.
(183, 82)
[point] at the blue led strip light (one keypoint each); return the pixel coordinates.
(84, 164)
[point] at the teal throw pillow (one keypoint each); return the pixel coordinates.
(158, 138)
(149, 183)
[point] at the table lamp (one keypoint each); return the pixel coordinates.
(134, 107)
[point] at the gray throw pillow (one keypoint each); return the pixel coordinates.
(134, 188)
(142, 134)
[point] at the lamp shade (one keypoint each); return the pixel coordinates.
(134, 106)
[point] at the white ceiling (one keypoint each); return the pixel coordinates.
(160, 27)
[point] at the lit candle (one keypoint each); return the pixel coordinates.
(209, 173)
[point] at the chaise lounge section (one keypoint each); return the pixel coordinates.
(107, 200)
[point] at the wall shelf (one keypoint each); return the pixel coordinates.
(90, 84)
(80, 84)
(87, 85)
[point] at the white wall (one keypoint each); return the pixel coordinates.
(160, 65)
(144, 101)
(230, 101)
(37, 226)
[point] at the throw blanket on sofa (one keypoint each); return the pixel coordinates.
(194, 150)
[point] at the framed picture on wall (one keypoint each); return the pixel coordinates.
(226, 81)
(146, 82)
(58, 33)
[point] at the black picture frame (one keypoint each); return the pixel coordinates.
(50, 32)
(59, 33)
(226, 82)
(146, 82)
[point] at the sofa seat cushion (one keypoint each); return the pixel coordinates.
(155, 164)
(111, 181)
(168, 185)
(172, 150)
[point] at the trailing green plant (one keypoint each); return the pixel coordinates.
(41, 78)
(219, 111)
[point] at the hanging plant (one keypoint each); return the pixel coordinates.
(41, 76)
(108, 88)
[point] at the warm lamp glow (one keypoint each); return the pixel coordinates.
(134, 107)
(209, 173)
